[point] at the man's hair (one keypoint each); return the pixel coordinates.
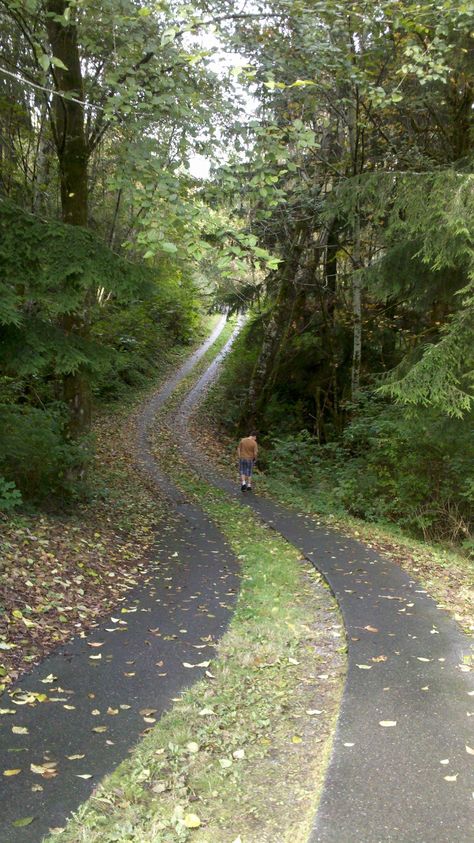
(253, 433)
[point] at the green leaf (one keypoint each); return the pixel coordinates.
(168, 36)
(58, 63)
(21, 823)
(44, 61)
(302, 83)
(168, 247)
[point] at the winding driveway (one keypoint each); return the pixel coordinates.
(399, 770)
(402, 761)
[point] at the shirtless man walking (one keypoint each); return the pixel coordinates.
(247, 451)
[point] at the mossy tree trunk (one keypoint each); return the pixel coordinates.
(73, 157)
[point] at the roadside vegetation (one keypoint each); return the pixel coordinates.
(66, 565)
(369, 485)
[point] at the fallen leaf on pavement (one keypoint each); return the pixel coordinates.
(22, 822)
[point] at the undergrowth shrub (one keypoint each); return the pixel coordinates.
(10, 496)
(413, 467)
(36, 459)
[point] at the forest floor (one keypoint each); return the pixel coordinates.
(60, 572)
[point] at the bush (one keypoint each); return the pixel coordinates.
(295, 456)
(411, 467)
(36, 458)
(139, 334)
(10, 496)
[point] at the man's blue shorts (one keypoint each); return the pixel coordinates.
(245, 467)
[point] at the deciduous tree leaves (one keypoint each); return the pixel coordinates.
(47, 770)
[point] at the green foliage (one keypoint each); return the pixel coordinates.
(35, 456)
(140, 334)
(410, 467)
(10, 496)
(48, 271)
(294, 456)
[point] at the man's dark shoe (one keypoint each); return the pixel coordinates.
(243, 487)
(249, 488)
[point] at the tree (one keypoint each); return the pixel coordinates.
(385, 92)
(105, 71)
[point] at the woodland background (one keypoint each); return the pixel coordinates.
(339, 214)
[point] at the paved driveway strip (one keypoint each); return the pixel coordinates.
(99, 696)
(400, 770)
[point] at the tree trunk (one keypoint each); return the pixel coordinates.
(69, 128)
(71, 146)
(41, 167)
(274, 334)
(271, 338)
(356, 312)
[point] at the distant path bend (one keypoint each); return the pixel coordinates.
(400, 771)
